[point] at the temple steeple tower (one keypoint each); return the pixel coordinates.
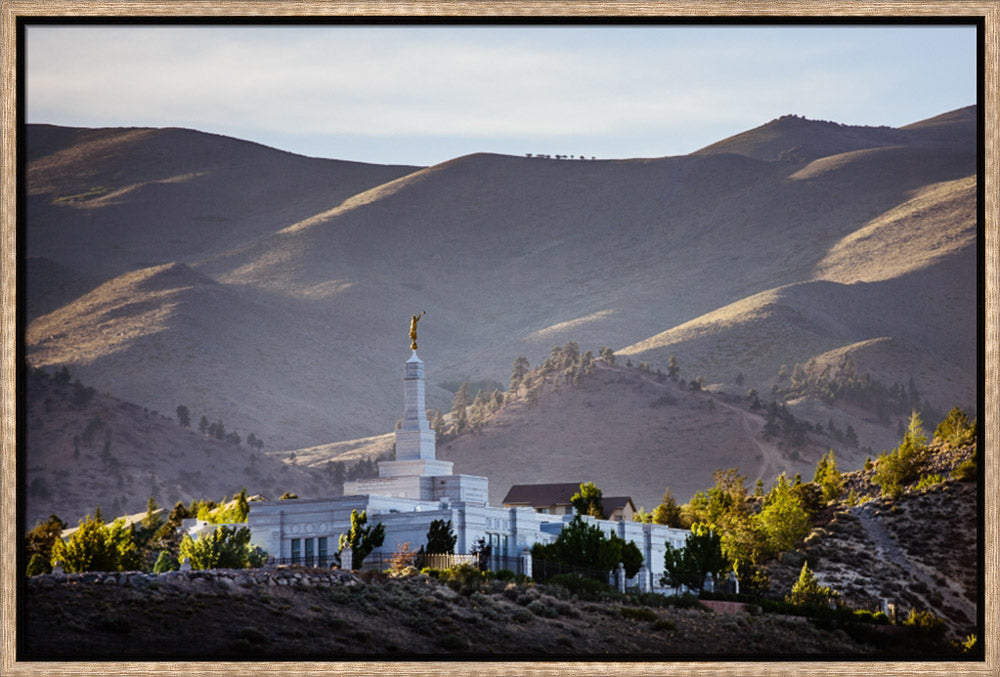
(416, 472)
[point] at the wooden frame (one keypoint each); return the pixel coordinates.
(11, 10)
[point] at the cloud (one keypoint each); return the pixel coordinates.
(476, 82)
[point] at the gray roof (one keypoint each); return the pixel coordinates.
(541, 494)
(557, 494)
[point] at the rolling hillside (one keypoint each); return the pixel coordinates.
(170, 267)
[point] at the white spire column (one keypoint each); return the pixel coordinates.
(414, 439)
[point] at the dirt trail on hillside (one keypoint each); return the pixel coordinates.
(891, 550)
(771, 455)
(770, 465)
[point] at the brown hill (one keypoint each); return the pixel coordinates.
(87, 449)
(676, 438)
(281, 285)
(107, 201)
(795, 138)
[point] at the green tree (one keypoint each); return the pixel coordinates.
(673, 368)
(587, 501)
(783, 518)
(521, 368)
(631, 557)
(701, 555)
(808, 592)
(225, 548)
(668, 512)
(895, 469)
(956, 430)
(828, 477)
(232, 514)
(165, 562)
(583, 546)
(362, 539)
(606, 355)
(440, 538)
(152, 520)
(183, 416)
(38, 565)
(41, 538)
(95, 546)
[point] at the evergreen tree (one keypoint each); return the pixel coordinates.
(165, 562)
(701, 555)
(587, 501)
(521, 368)
(956, 430)
(95, 546)
(360, 538)
(808, 592)
(225, 548)
(783, 518)
(203, 425)
(440, 538)
(183, 416)
(828, 477)
(583, 546)
(667, 512)
(673, 368)
(895, 469)
(41, 538)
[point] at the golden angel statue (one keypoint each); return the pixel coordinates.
(413, 329)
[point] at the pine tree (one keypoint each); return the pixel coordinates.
(808, 592)
(667, 512)
(440, 538)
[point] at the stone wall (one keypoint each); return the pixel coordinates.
(228, 580)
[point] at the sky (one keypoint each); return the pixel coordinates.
(421, 95)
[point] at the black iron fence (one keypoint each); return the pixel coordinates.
(544, 569)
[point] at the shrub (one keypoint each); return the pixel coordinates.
(38, 565)
(966, 470)
(463, 578)
(522, 615)
(540, 608)
(664, 625)
(925, 624)
(929, 481)
(165, 562)
(225, 548)
(253, 635)
(584, 587)
(638, 613)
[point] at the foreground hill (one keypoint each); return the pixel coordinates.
(309, 614)
(171, 267)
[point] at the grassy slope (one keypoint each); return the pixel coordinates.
(408, 617)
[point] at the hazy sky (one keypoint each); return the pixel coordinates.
(421, 95)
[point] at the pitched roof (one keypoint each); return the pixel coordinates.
(541, 494)
(612, 503)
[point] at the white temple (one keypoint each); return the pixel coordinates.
(417, 488)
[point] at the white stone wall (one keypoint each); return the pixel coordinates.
(274, 524)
